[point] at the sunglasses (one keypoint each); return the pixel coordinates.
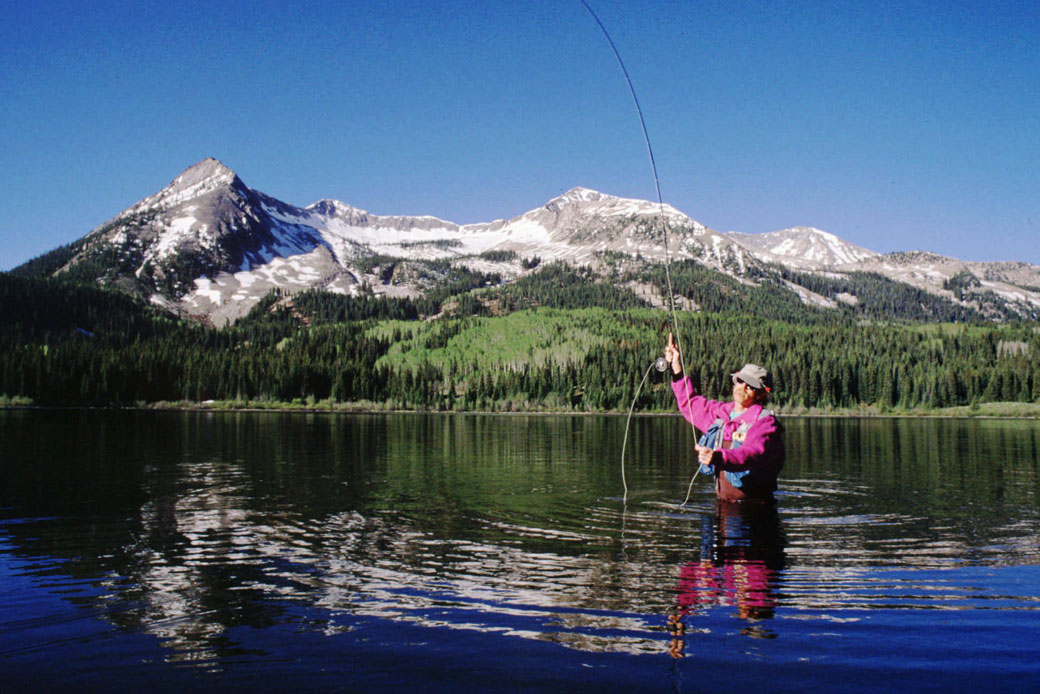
(744, 383)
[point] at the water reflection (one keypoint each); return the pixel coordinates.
(205, 531)
(741, 560)
(189, 575)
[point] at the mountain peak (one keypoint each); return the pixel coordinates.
(334, 208)
(209, 169)
(812, 231)
(578, 194)
(197, 180)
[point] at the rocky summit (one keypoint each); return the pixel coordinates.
(210, 247)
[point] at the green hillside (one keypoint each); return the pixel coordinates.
(66, 344)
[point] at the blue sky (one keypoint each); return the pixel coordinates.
(894, 125)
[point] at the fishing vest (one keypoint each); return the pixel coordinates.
(711, 437)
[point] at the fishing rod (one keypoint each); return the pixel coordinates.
(660, 364)
(653, 164)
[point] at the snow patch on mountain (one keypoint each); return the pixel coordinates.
(177, 231)
(810, 298)
(226, 296)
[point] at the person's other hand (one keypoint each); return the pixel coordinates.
(672, 356)
(708, 456)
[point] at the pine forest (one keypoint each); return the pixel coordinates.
(552, 341)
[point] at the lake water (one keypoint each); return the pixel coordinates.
(216, 551)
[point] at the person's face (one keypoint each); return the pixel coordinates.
(743, 394)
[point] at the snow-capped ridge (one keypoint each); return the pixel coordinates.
(213, 247)
(329, 207)
(803, 247)
(817, 233)
(578, 194)
(606, 205)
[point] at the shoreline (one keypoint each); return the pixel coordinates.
(1001, 410)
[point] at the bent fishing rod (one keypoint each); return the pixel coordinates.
(660, 363)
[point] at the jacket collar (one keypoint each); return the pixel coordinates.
(748, 415)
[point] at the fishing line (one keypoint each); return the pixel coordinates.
(689, 490)
(660, 364)
(667, 251)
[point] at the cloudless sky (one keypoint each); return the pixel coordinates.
(894, 125)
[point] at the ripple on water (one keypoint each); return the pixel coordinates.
(854, 565)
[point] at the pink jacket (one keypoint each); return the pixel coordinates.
(760, 453)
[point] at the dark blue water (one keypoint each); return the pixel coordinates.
(355, 553)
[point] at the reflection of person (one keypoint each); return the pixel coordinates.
(742, 555)
(742, 443)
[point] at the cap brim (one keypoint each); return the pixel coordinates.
(751, 381)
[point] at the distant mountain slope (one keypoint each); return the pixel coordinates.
(984, 287)
(999, 291)
(210, 247)
(803, 247)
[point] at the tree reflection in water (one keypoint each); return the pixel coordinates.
(742, 556)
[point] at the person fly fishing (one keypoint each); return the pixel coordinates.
(742, 442)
